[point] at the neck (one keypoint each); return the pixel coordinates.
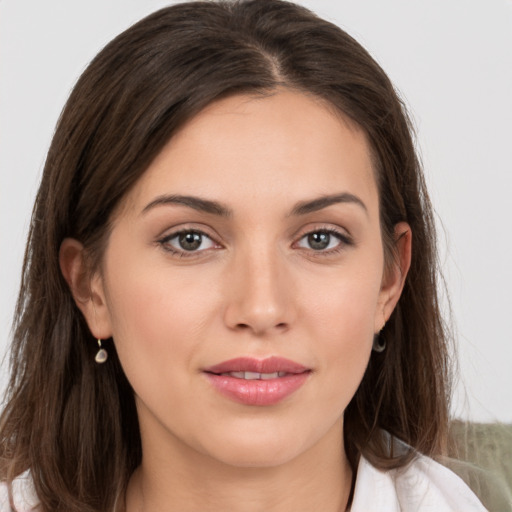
(187, 481)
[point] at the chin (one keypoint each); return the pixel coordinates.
(251, 450)
(256, 458)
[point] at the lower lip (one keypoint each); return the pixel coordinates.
(257, 392)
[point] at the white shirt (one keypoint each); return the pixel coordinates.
(422, 486)
(23, 494)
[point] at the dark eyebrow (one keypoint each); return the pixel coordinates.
(314, 205)
(203, 205)
(216, 208)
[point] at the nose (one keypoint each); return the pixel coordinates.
(260, 293)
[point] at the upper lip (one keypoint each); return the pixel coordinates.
(249, 364)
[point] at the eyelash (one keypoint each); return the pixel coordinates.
(343, 239)
(165, 242)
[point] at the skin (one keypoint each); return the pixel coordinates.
(255, 287)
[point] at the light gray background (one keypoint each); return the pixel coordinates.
(452, 62)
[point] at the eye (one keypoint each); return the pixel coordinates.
(187, 242)
(322, 240)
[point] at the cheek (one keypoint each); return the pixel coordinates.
(345, 305)
(340, 318)
(156, 316)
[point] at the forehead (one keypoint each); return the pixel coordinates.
(285, 145)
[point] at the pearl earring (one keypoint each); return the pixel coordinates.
(101, 355)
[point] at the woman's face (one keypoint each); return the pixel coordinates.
(254, 234)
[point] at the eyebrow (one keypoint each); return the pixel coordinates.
(216, 208)
(197, 203)
(305, 207)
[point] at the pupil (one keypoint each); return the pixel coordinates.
(319, 240)
(190, 241)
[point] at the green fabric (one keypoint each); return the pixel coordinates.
(481, 454)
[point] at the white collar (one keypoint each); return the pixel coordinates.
(422, 486)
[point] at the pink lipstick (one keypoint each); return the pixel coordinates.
(257, 382)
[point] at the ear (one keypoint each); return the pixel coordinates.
(87, 289)
(394, 276)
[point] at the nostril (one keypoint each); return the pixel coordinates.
(282, 326)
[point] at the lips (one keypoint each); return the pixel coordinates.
(257, 382)
(248, 364)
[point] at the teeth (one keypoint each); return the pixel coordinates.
(255, 375)
(252, 375)
(268, 376)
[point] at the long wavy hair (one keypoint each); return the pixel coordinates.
(73, 423)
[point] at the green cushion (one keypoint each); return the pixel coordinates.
(481, 454)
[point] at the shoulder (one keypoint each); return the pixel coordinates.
(422, 486)
(23, 495)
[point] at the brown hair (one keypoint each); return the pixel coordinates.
(73, 423)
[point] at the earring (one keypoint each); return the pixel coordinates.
(101, 355)
(379, 345)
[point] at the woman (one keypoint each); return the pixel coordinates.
(229, 298)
